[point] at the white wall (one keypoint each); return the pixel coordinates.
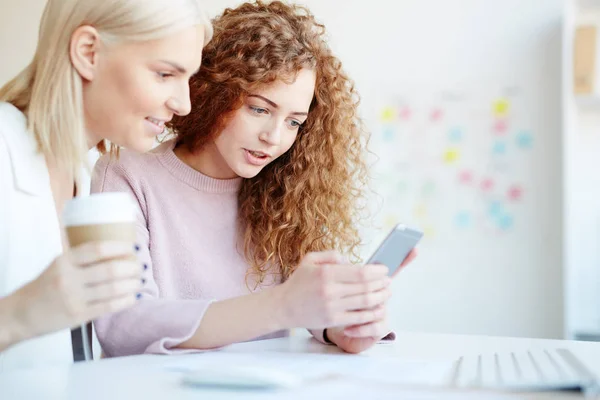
(509, 286)
(19, 22)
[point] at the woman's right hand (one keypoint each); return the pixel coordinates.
(88, 281)
(325, 292)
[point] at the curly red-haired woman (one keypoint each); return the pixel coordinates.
(246, 213)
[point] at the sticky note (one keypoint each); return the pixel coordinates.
(428, 188)
(451, 155)
(388, 114)
(465, 177)
(388, 134)
(402, 186)
(436, 114)
(499, 148)
(505, 222)
(487, 184)
(524, 140)
(455, 135)
(429, 231)
(501, 107)
(500, 127)
(515, 193)
(495, 209)
(405, 113)
(421, 210)
(390, 221)
(463, 219)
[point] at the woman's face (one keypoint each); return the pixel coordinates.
(132, 89)
(263, 129)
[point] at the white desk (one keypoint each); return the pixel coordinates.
(142, 377)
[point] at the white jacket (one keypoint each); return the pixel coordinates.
(30, 237)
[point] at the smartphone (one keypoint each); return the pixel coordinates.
(395, 247)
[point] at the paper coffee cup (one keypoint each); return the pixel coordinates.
(100, 217)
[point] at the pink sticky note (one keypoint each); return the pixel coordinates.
(500, 127)
(487, 185)
(515, 193)
(465, 177)
(436, 114)
(405, 113)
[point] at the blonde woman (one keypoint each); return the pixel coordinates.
(111, 69)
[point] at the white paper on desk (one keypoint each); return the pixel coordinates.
(378, 369)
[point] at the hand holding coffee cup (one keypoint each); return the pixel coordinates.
(98, 275)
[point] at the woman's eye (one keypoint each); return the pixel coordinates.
(164, 75)
(258, 110)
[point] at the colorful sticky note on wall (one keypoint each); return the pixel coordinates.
(428, 188)
(388, 114)
(405, 113)
(420, 211)
(463, 219)
(505, 222)
(390, 221)
(501, 107)
(500, 127)
(487, 184)
(436, 114)
(455, 135)
(499, 148)
(515, 193)
(524, 140)
(388, 134)
(451, 156)
(495, 209)
(465, 177)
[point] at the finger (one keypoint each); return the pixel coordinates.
(365, 301)
(409, 258)
(348, 273)
(354, 289)
(361, 317)
(324, 257)
(101, 308)
(111, 271)
(113, 290)
(375, 329)
(96, 252)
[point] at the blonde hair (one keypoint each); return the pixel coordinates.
(49, 89)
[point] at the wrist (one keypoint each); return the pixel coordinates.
(13, 330)
(278, 305)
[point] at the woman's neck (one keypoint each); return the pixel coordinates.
(208, 161)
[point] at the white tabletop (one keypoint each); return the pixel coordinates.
(145, 377)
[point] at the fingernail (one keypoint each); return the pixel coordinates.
(138, 296)
(143, 281)
(136, 247)
(145, 267)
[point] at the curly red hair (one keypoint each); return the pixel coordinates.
(309, 198)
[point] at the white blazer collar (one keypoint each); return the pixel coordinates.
(29, 165)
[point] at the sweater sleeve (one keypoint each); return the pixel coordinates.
(154, 325)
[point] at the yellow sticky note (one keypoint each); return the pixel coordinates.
(388, 114)
(451, 156)
(429, 232)
(420, 211)
(501, 107)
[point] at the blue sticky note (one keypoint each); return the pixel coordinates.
(388, 134)
(455, 135)
(505, 222)
(499, 148)
(463, 219)
(495, 209)
(524, 140)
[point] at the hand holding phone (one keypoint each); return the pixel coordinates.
(396, 247)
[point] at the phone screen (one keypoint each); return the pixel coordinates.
(395, 247)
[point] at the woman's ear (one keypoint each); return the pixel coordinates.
(83, 51)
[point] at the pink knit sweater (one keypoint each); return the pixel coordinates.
(186, 231)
